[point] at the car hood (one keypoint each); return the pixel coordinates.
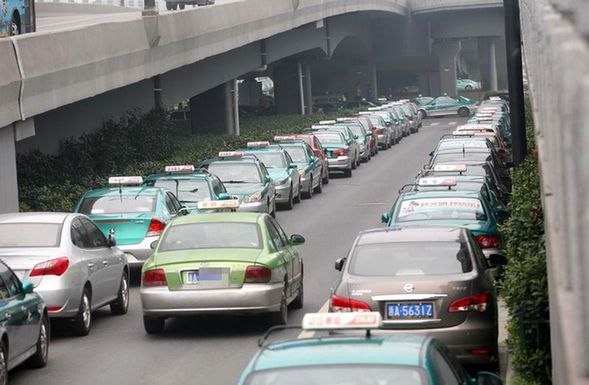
(278, 173)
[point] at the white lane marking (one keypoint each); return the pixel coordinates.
(435, 124)
(310, 334)
(452, 123)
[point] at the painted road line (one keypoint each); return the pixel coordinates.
(310, 334)
(452, 123)
(435, 124)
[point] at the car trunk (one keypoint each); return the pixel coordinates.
(206, 268)
(398, 299)
(129, 229)
(22, 260)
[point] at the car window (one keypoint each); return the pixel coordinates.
(186, 190)
(12, 284)
(281, 232)
(78, 234)
(211, 235)
(274, 235)
(170, 203)
(4, 293)
(236, 172)
(19, 234)
(444, 100)
(95, 238)
(272, 159)
(445, 372)
(442, 208)
(218, 187)
(298, 154)
(118, 204)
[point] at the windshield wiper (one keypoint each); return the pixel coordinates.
(234, 181)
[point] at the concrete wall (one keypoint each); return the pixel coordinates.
(8, 185)
(556, 53)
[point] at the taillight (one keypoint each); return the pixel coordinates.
(487, 241)
(257, 274)
(56, 266)
(156, 277)
(340, 152)
(476, 303)
(156, 226)
(343, 304)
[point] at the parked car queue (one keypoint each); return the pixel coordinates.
(245, 261)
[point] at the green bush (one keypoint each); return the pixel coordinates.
(136, 145)
(525, 287)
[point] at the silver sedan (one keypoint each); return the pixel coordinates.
(73, 266)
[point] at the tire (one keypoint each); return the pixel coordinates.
(326, 178)
(83, 320)
(174, 6)
(319, 188)
(280, 317)
(14, 27)
(309, 193)
(181, 6)
(39, 359)
(297, 199)
(298, 302)
(348, 173)
(3, 364)
(168, 6)
(468, 88)
(290, 204)
(153, 325)
(120, 306)
(354, 164)
(463, 112)
(423, 114)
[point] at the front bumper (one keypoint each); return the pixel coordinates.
(250, 298)
(138, 253)
(382, 140)
(305, 180)
(253, 207)
(340, 163)
(283, 193)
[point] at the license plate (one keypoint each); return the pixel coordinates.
(202, 275)
(418, 310)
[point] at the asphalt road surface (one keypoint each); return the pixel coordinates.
(215, 350)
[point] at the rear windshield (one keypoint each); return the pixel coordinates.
(272, 159)
(458, 209)
(118, 204)
(234, 172)
(211, 235)
(410, 258)
(339, 375)
(298, 154)
(30, 234)
(329, 139)
(462, 156)
(357, 130)
(187, 190)
(457, 143)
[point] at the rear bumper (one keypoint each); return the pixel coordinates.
(60, 293)
(340, 163)
(138, 253)
(250, 298)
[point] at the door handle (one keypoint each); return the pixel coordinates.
(105, 263)
(90, 265)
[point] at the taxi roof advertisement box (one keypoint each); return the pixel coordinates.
(9, 84)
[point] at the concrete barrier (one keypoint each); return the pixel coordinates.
(9, 84)
(42, 7)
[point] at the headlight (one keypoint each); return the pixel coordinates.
(255, 197)
(280, 182)
(301, 172)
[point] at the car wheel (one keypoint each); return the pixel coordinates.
(348, 173)
(297, 199)
(319, 188)
(14, 27)
(298, 302)
(39, 359)
(290, 203)
(120, 306)
(83, 320)
(354, 164)
(468, 88)
(3, 364)
(168, 6)
(153, 325)
(463, 112)
(326, 178)
(280, 317)
(174, 6)
(423, 114)
(181, 6)
(309, 192)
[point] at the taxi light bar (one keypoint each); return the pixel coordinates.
(278, 138)
(345, 119)
(181, 168)
(374, 108)
(450, 167)
(342, 321)
(263, 143)
(495, 98)
(433, 181)
(362, 113)
(327, 122)
(404, 100)
(125, 180)
(215, 205)
(230, 154)
(319, 126)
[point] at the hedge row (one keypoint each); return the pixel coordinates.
(138, 144)
(525, 287)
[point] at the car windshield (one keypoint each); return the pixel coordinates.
(357, 130)
(339, 375)
(459, 143)
(272, 159)
(298, 154)
(376, 121)
(462, 185)
(211, 235)
(330, 139)
(186, 190)
(234, 172)
(30, 234)
(460, 209)
(118, 204)
(410, 258)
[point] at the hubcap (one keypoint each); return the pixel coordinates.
(3, 371)
(14, 28)
(43, 341)
(86, 311)
(125, 292)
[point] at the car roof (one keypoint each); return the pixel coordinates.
(36, 217)
(124, 190)
(244, 217)
(411, 234)
(391, 350)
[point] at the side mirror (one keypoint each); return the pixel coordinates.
(431, 154)
(267, 179)
(385, 218)
(339, 263)
(502, 215)
(297, 239)
(292, 166)
(110, 240)
(153, 244)
(183, 211)
(356, 136)
(224, 196)
(497, 260)
(487, 378)
(27, 286)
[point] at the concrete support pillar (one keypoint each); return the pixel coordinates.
(447, 51)
(307, 89)
(250, 92)
(492, 67)
(292, 88)
(212, 112)
(8, 181)
(501, 61)
(484, 50)
(374, 79)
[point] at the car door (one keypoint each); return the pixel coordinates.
(316, 164)
(97, 253)
(282, 250)
(295, 258)
(13, 313)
